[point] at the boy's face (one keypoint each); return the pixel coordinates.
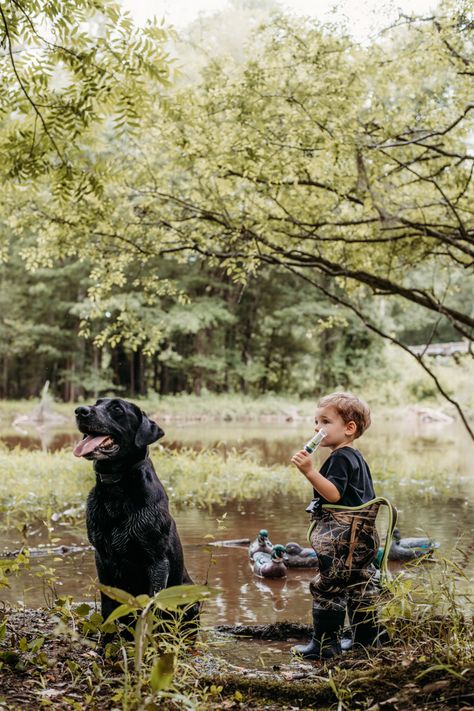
(338, 432)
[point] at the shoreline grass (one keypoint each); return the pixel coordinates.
(40, 482)
(35, 483)
(223, 407)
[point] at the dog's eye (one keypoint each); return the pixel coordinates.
(117, 410)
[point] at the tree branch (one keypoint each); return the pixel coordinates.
(25, 91)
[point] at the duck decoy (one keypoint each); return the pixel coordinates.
(404, 554)
(299, 557)
(270, 566)
(398, 552)
(261, 544)
(426, 543)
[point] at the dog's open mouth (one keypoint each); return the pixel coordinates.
(95, 443)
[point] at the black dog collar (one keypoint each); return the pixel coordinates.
(116, 477)
(109, 478)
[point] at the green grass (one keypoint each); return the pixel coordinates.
(38, 483)
(230, 406)
(34, 483)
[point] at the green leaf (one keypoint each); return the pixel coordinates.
(162, 672)
(177, 595)
(121, 596)
(119, 611)
(72, 666)
(36, 644)
(10, 657)
(143, 599)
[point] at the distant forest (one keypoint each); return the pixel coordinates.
(271, 335)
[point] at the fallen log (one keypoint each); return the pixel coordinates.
(46, 550)
(236, 542)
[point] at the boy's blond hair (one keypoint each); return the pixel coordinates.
(350, 408)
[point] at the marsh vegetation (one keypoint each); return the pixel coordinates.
(226, 480)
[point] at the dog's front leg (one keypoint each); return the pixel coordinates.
(158, 576)
(106, 577)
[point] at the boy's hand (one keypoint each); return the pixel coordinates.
(302, 460)
(325, 488)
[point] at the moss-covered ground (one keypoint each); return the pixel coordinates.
(48, 663)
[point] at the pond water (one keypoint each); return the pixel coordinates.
(426, 469)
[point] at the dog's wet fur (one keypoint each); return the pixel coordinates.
(137, 546)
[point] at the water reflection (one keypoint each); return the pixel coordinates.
(243, 597)
(36, 439)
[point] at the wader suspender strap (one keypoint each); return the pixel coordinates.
(355, 526)
(392, 522)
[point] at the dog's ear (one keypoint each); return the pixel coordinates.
(148, 432)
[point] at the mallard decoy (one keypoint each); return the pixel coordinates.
(270, 566)
(398, 552)
(261, 544)
(426, 543)
(403, 553)
(299, 557)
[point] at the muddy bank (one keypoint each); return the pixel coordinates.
(47, 662)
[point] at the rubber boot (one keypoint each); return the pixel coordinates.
(324, 643)
(365, 629)
(347, 639)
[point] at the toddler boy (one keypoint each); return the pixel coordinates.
(345, 540)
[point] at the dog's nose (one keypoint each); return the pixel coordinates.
(82, 411)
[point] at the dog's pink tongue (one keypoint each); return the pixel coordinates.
(88, 444)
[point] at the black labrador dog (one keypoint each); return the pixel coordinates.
(137, 546)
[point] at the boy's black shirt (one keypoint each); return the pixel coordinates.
(347, 469)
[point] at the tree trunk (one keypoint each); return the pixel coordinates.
(268, 360)
(5, 377)
(200, 344)
(96, 368)
(155, 373)
(141, 372)
(132, 374)
(72, 387)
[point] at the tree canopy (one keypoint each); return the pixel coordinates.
(347, 167)
(72, 73)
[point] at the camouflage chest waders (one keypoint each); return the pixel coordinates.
(346, 542)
